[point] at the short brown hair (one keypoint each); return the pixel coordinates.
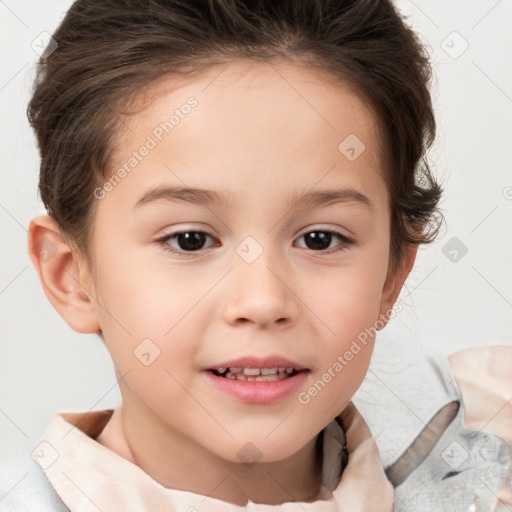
(108, 51)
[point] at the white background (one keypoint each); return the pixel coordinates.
(46, 367)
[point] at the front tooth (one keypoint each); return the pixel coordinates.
(251, 371)
(252, 378)
(268, 371)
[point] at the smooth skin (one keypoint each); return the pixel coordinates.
(259, 133)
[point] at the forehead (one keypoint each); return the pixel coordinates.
(253, 122)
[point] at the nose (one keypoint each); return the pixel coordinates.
(260, 293)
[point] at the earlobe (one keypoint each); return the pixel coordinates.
(395, 281)
(65, 280)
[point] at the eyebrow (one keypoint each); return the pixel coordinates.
(310, 199)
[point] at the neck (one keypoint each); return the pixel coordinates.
(177, 462)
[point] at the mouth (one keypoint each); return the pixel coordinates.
(257, 385)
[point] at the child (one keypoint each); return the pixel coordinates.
(236, 193)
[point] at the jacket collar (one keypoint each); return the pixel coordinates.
(84, 472)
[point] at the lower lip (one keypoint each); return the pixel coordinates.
(258, 392)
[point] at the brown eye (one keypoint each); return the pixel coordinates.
(185, 241)
(320, 240)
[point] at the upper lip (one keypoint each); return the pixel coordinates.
(273, 361)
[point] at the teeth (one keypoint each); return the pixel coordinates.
(255, 371)
(252, 378)
(251, 371)
(256, 374)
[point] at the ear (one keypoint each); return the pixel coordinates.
(64, 275)
(395, 280)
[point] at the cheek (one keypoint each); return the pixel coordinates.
(147, 299)
(344, 352)
(151, 321)
(346, 299)
(354, 317)
(348, 303)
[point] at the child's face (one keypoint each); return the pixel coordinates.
(260, 136)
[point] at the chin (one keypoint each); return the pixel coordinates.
(250, 452)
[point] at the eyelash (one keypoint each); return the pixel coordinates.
(345, 241)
